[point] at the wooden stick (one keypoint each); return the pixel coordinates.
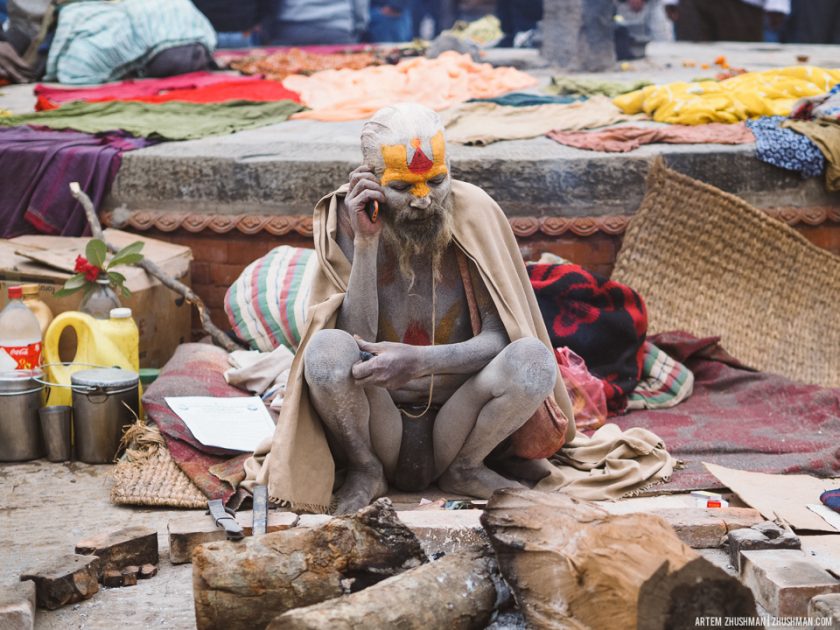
(154, 270)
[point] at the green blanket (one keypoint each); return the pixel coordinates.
(174, 120)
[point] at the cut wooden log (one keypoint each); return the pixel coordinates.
(66, 579)
(457, 592)
(246, 584)
(124, 547)
(571, 564)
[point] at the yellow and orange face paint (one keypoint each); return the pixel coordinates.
(420, 169)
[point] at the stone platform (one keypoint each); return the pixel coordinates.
(232, 198)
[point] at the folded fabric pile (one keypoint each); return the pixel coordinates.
(785, 148)
(163, 121)
(97, 42)
(572, 86)
(483, 123)
(437, 83)
(627, 138)
(281, 64)
(36, 168)
(50, 97)
(818, 119)
(748, 95)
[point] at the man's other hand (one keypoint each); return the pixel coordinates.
(12, 67)
(673, 12)
(392, 365)
(364, 189)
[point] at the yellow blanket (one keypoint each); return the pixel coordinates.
(768, 93)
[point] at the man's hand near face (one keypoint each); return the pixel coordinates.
(12, 67)
(364, 189)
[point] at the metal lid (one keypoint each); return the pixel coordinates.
(106, 378)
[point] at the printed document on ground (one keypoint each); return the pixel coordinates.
(238, 424)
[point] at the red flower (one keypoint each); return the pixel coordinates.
(83, 266)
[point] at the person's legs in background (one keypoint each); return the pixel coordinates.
(813, 22)
(389, 25)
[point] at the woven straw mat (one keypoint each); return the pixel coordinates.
(156, 481)
(708, 263)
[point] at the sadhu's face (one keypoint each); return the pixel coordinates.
(416, 180)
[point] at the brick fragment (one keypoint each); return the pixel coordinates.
(785, 580)
(112, 578)
(147, 571)
(765, 535)
(64, 580)
(702, 528)
(129, 575)
(826, 607)
(118, 549)
(17, 606)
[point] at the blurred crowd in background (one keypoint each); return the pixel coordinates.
(29, 25)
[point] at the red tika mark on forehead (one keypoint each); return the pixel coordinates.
(415, 335)
(420, 163)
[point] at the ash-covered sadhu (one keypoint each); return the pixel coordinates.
(425, 358)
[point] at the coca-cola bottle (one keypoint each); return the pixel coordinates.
(20, 335)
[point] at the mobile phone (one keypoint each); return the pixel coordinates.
(372, 210)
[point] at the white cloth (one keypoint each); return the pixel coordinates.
(261, 373)
(776, 6)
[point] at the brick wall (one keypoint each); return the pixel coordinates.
(218, 259)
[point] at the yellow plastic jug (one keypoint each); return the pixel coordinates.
(113, 342)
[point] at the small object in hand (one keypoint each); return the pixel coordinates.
(372, 210)
(366, 356)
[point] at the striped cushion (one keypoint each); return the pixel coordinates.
(266, 306)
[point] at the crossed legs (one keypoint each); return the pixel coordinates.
(367, 426)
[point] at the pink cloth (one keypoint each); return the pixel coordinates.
(622, 139)
(134, 88)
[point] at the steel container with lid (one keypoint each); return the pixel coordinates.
(20, 429)
(105, 401)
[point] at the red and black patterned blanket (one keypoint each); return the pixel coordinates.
(603, 321)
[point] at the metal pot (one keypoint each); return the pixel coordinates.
(105, 401)
(20, 430)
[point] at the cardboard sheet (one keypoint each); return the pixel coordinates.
(824, 550)
(785, 496)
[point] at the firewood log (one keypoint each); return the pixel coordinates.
(245, 584)
(457, 592)
(573, 565)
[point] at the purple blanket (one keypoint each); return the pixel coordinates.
(36, 168)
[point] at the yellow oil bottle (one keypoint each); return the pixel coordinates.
(112, 342)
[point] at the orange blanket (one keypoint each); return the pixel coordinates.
(450, 79)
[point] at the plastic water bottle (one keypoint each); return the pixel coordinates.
(20, 335)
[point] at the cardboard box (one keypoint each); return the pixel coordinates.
(163, 318)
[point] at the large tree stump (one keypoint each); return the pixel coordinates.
(457, 592)
(573, 565)
(245, 584)
(578, 35)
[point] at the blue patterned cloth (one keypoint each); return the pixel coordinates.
(785, 148)
(97, 41)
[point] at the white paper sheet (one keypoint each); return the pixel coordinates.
(238, 424)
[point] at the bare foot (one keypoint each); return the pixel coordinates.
(525, 469)
(479, 482)
(360, 487)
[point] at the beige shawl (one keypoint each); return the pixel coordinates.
(298, 466)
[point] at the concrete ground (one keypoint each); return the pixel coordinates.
(285, 168)
(45, 508)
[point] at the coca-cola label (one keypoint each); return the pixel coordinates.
(24, 357)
